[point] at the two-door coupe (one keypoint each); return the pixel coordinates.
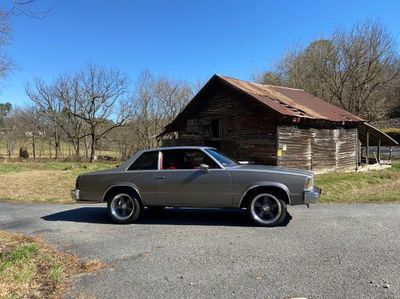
(193, 176)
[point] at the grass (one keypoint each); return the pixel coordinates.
(31, 269)
(42, 181)
(51, 181)
(371, 186)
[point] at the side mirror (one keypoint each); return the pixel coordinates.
(204, 167)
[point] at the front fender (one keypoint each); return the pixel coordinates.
(265, 184)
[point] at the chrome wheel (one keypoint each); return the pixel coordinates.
(122, 206)
(266, 208)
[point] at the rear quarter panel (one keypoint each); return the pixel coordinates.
(93, 186)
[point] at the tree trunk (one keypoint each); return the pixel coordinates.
(86, 148)
(34, 145)
(56, 144)
(78, 148)
(92, 146)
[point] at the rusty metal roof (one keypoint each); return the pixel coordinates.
(292, 102)
(284, 100)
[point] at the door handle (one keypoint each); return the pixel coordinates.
(160, 177)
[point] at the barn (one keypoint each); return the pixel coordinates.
(275, 125)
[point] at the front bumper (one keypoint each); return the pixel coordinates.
(312, 196)
(75, 194)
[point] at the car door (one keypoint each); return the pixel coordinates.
(181, 181)
(142, 174)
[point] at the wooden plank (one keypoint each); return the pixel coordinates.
(298, 147)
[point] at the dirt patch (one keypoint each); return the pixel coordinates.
(29, 268)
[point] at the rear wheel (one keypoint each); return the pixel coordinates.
(267, 209)
(123, 207)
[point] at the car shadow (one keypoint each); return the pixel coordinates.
(167, 216)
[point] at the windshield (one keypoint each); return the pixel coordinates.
(224, 160)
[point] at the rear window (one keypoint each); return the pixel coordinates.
(147, 161)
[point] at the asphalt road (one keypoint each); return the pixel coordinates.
(327, 251)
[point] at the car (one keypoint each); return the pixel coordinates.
(196, 176)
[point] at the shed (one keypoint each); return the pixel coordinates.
(273, 125)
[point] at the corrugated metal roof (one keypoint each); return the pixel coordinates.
(293, 102)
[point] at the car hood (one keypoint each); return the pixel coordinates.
(272, 168)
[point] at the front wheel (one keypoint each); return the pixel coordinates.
(123, 207)
(267, 209)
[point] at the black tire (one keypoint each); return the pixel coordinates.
(267, 209)
(124, 206)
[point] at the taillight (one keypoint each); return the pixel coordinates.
(77, 184)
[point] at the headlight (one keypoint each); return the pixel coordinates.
(308, 184)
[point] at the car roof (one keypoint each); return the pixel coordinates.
(175, 148)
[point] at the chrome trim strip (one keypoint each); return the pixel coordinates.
(212, 158)
(268, 170)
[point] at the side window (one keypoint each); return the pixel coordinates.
(147, 161)
(186, 159)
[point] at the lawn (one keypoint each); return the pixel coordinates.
(31, 269)
(51, 181)
(42, 181)
(371, 186)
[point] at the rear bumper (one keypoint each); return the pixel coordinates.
(312, 196)
(75, 194)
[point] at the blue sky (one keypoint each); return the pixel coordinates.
(188, 40)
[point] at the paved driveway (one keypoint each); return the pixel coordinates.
(327, 251)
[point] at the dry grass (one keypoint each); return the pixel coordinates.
(31, 269)
(45, 185)
(42, 181)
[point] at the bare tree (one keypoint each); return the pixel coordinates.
(87, 104)
(102, 104)
(11, 134)
(6, 62)
(14, 130)
(156, 101)
(5, 109)
(32, 123)
(10, 9)
(355, 69)
(67, 90)
(43, 95)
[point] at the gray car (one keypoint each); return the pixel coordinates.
(193, 176)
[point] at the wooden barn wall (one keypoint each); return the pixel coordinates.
(249, 131)
(318, 149)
